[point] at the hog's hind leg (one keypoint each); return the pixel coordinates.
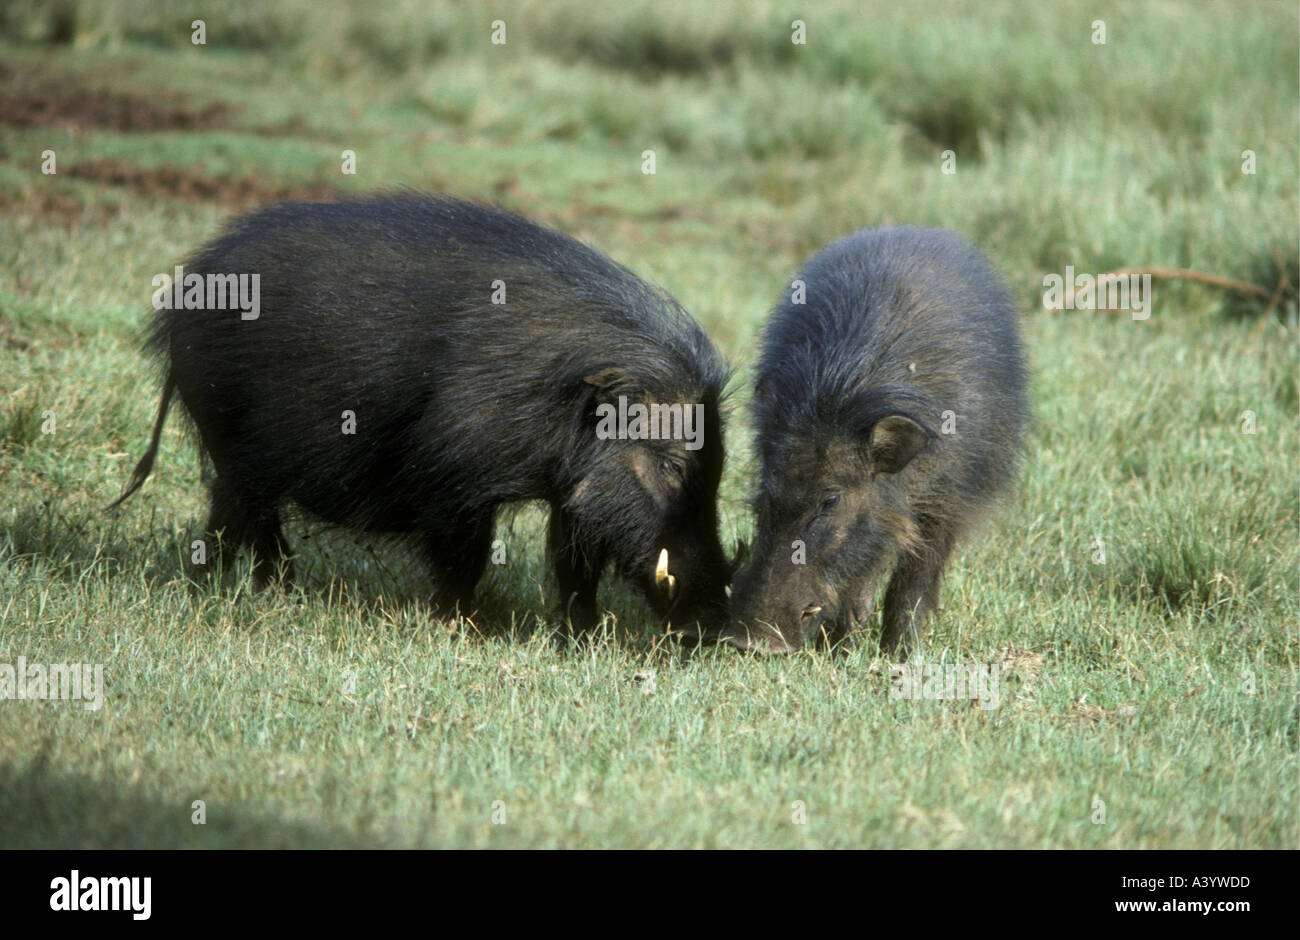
(458, 555)
(238, 520)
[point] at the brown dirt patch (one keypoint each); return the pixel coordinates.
(72, 107)
(187, 184)
(49, 202)
(1083, 714)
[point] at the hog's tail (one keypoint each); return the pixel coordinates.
(145, 466)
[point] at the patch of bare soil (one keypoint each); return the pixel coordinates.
(69, 106)
(188, 184)
(53, 204)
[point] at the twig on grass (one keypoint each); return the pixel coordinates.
(1245, 287)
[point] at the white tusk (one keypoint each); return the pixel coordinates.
(728, 590)
(663, 580)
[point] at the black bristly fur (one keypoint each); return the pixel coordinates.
(902, 322)
(383, 306)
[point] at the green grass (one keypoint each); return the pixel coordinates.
(1162, 682)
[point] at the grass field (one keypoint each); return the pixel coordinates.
(1139, 588)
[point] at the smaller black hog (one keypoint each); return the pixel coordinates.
(407, 364)
(891, 408)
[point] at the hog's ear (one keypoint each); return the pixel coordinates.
(893, 442)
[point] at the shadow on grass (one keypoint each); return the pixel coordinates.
(41, 808)
(380, 574)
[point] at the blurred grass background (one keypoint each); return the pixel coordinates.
(1162, 682)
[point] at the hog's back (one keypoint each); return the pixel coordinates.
(919, 320)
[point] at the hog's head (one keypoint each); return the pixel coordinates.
(647, 494)
(831, 508)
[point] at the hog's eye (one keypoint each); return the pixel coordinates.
(672, 467)
(829, 503)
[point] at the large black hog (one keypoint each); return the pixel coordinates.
(890, 408)
(408, 363)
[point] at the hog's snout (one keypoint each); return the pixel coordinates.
(759, 637)
(689, 591)
(754, 636)
(775, 635)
